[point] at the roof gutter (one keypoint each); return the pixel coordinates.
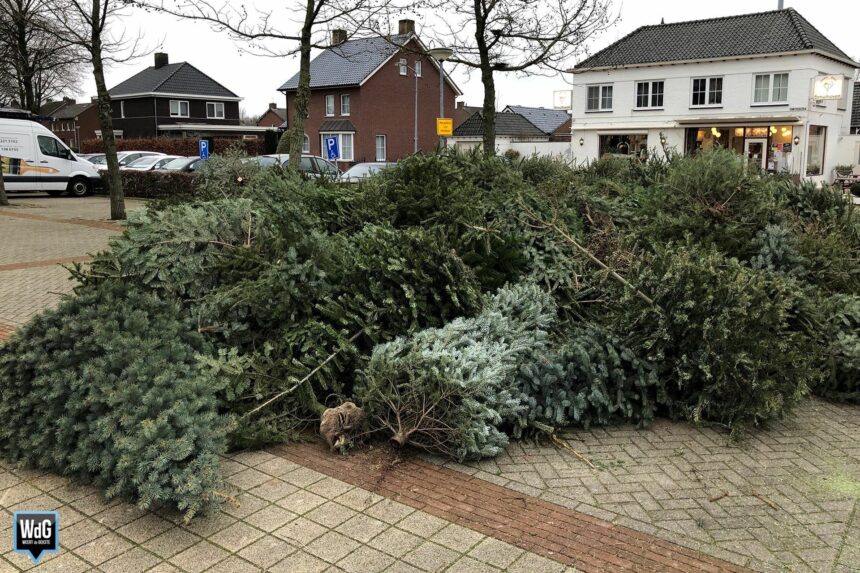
(166, 94)
(848, 62)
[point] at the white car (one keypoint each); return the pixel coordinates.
(360, 171)
(34, 159)
(124, 158)
(149, 162)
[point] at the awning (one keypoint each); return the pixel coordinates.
(336, 125)
(739, 120)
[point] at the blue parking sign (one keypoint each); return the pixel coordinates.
(332, 153)
(204, 149)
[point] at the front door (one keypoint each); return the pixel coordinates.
(756, 151)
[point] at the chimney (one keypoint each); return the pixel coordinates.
(338, 37)
(69, 100)
(406, 27)
(161, 60)
(273, 106)
(780, 5)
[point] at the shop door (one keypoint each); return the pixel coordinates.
(756, 151)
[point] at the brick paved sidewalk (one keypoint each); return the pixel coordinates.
(785, 499)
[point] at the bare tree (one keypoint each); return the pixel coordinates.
(263, 36)
(39, 64)
(89, 25)
(525, 36)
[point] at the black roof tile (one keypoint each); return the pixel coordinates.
(180, 78)
(747, 34)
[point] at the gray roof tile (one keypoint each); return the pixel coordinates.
(748, 34)
(546, 120)
(73, 110)
(180, 78)
(348, 64)
(507, 123)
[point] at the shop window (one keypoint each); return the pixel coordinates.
(815, 150)
(632, 144)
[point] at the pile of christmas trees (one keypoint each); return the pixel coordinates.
(460, 300)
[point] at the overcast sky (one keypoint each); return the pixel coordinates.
(256, 78)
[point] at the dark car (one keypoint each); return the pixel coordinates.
(186, 164)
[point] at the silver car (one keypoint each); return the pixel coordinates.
(361, 171)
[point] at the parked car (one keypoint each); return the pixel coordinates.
(91, 157)
(361, 171)
(149, 162)
(312, 165)
(186, 164)
(124, 158)
(34, 159)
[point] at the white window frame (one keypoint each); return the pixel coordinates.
(306, 144)
(770, 88)
(122, 109)
(215, 107)
(347, 107)
(329, 104)
(418, 68)
(179, 103)
(649, 95)
(709, 81)
(404, 66)
(340, 136)
(384, 148)
(601, 89)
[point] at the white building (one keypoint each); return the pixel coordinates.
(743, 82)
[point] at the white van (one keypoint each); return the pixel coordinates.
(34, 159)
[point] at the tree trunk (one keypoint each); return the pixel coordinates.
(26, 70)
(489, 111)
(114, 182)
(303, 90)
(4, 201)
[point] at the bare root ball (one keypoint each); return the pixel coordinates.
(342, 425)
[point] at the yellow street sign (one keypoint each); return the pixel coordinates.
(444, 126)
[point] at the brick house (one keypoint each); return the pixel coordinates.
(176, 100)
(275, 117)
(75, 122)
(363, 92)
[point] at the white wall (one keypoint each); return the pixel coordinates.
(848, 151)
(559, 149)
(738, 81)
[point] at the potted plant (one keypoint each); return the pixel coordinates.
(844, 170)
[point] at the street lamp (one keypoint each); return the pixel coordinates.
(440, 55)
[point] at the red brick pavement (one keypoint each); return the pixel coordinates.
(564, 535)
(44, 263)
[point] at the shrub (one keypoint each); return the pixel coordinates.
(726, 340)
(108, 389)
(155, 184)
(591, 378)
(449, 390)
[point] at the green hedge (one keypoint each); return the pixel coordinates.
(155, 184)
